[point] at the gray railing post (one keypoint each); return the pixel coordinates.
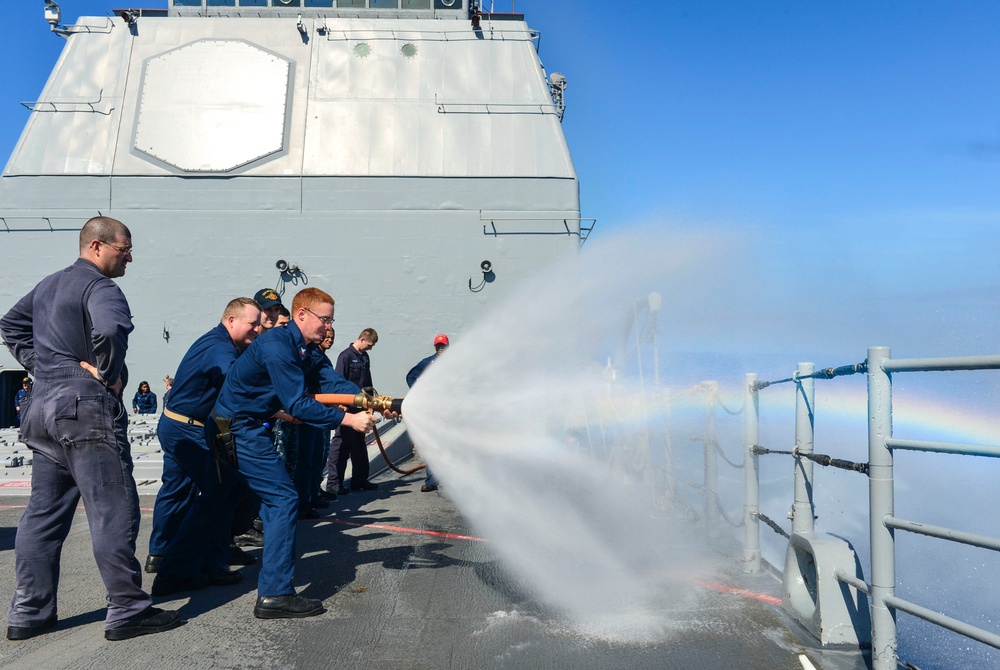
(803, 509)
(712, 515)
(880, 497)
(751, 475)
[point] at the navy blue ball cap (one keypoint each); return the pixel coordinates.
(267, 297)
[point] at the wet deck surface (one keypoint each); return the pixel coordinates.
(403, 590)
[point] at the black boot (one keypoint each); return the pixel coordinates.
(287, 607)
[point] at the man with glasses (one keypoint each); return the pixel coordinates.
(273, 374)
(71, 332)
(189, 543)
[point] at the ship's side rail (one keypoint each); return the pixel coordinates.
(881, 445)
(580, 227)
(79, 105)
(815, 564)
(39, 224)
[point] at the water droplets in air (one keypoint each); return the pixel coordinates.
(549, 442)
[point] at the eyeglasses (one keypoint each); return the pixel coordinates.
(327, 320)
(122, 250)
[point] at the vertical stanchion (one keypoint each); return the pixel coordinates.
(803, 509)
(711, 471)
(751, 475)
(880, 497)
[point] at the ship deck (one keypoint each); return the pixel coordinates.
(406, 586)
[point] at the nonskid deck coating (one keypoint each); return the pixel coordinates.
(395, 599)
(434, 592)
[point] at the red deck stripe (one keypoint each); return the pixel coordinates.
(403, 529)
(714, 586)
(722, 588)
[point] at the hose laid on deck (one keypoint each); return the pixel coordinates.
(378, 440)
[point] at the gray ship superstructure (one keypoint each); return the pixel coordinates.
(406, 156)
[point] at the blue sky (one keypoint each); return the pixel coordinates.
(785, 114)
(856, 146)
(853, 148)
(788, 114)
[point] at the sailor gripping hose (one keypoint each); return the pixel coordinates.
(369, 401)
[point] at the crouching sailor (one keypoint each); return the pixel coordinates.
(270, 375)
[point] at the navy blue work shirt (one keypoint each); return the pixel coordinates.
(418, 369)
(273, 374)
(355, 366)
(200, 375)
(19, 399)
(144, 403)
(76, 314)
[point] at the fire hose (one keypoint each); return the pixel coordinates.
(371, 403)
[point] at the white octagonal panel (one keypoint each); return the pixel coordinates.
(213, 106)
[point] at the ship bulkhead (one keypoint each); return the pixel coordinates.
(381, 155)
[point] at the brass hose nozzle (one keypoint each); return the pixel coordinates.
(366, 401)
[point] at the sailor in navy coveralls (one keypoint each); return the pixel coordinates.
(21, 398)
(355, 365)
(71, 332)
(270, 375)
(189, 543)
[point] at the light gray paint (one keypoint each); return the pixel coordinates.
(397, 173)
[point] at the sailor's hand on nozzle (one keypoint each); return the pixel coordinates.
(389, 414)
(362, 422)
(116, 388)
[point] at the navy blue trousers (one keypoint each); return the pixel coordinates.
(347, 444)
(261, 466)
(309, 467)
(201, 524)
(176, 496)
(78, 433)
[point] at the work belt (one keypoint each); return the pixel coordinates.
(183, 419)
(222, 444)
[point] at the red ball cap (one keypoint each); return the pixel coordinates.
(441, 339)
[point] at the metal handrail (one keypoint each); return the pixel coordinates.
(49, 228)
(881, 444)
(490, 107)
(879, 590)
(583, 234)
(859, 584)
(940, 364)
(390, 34)
(987, 450)
(883, 521)
(940, 532)
(37, 105)
(942, 620)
